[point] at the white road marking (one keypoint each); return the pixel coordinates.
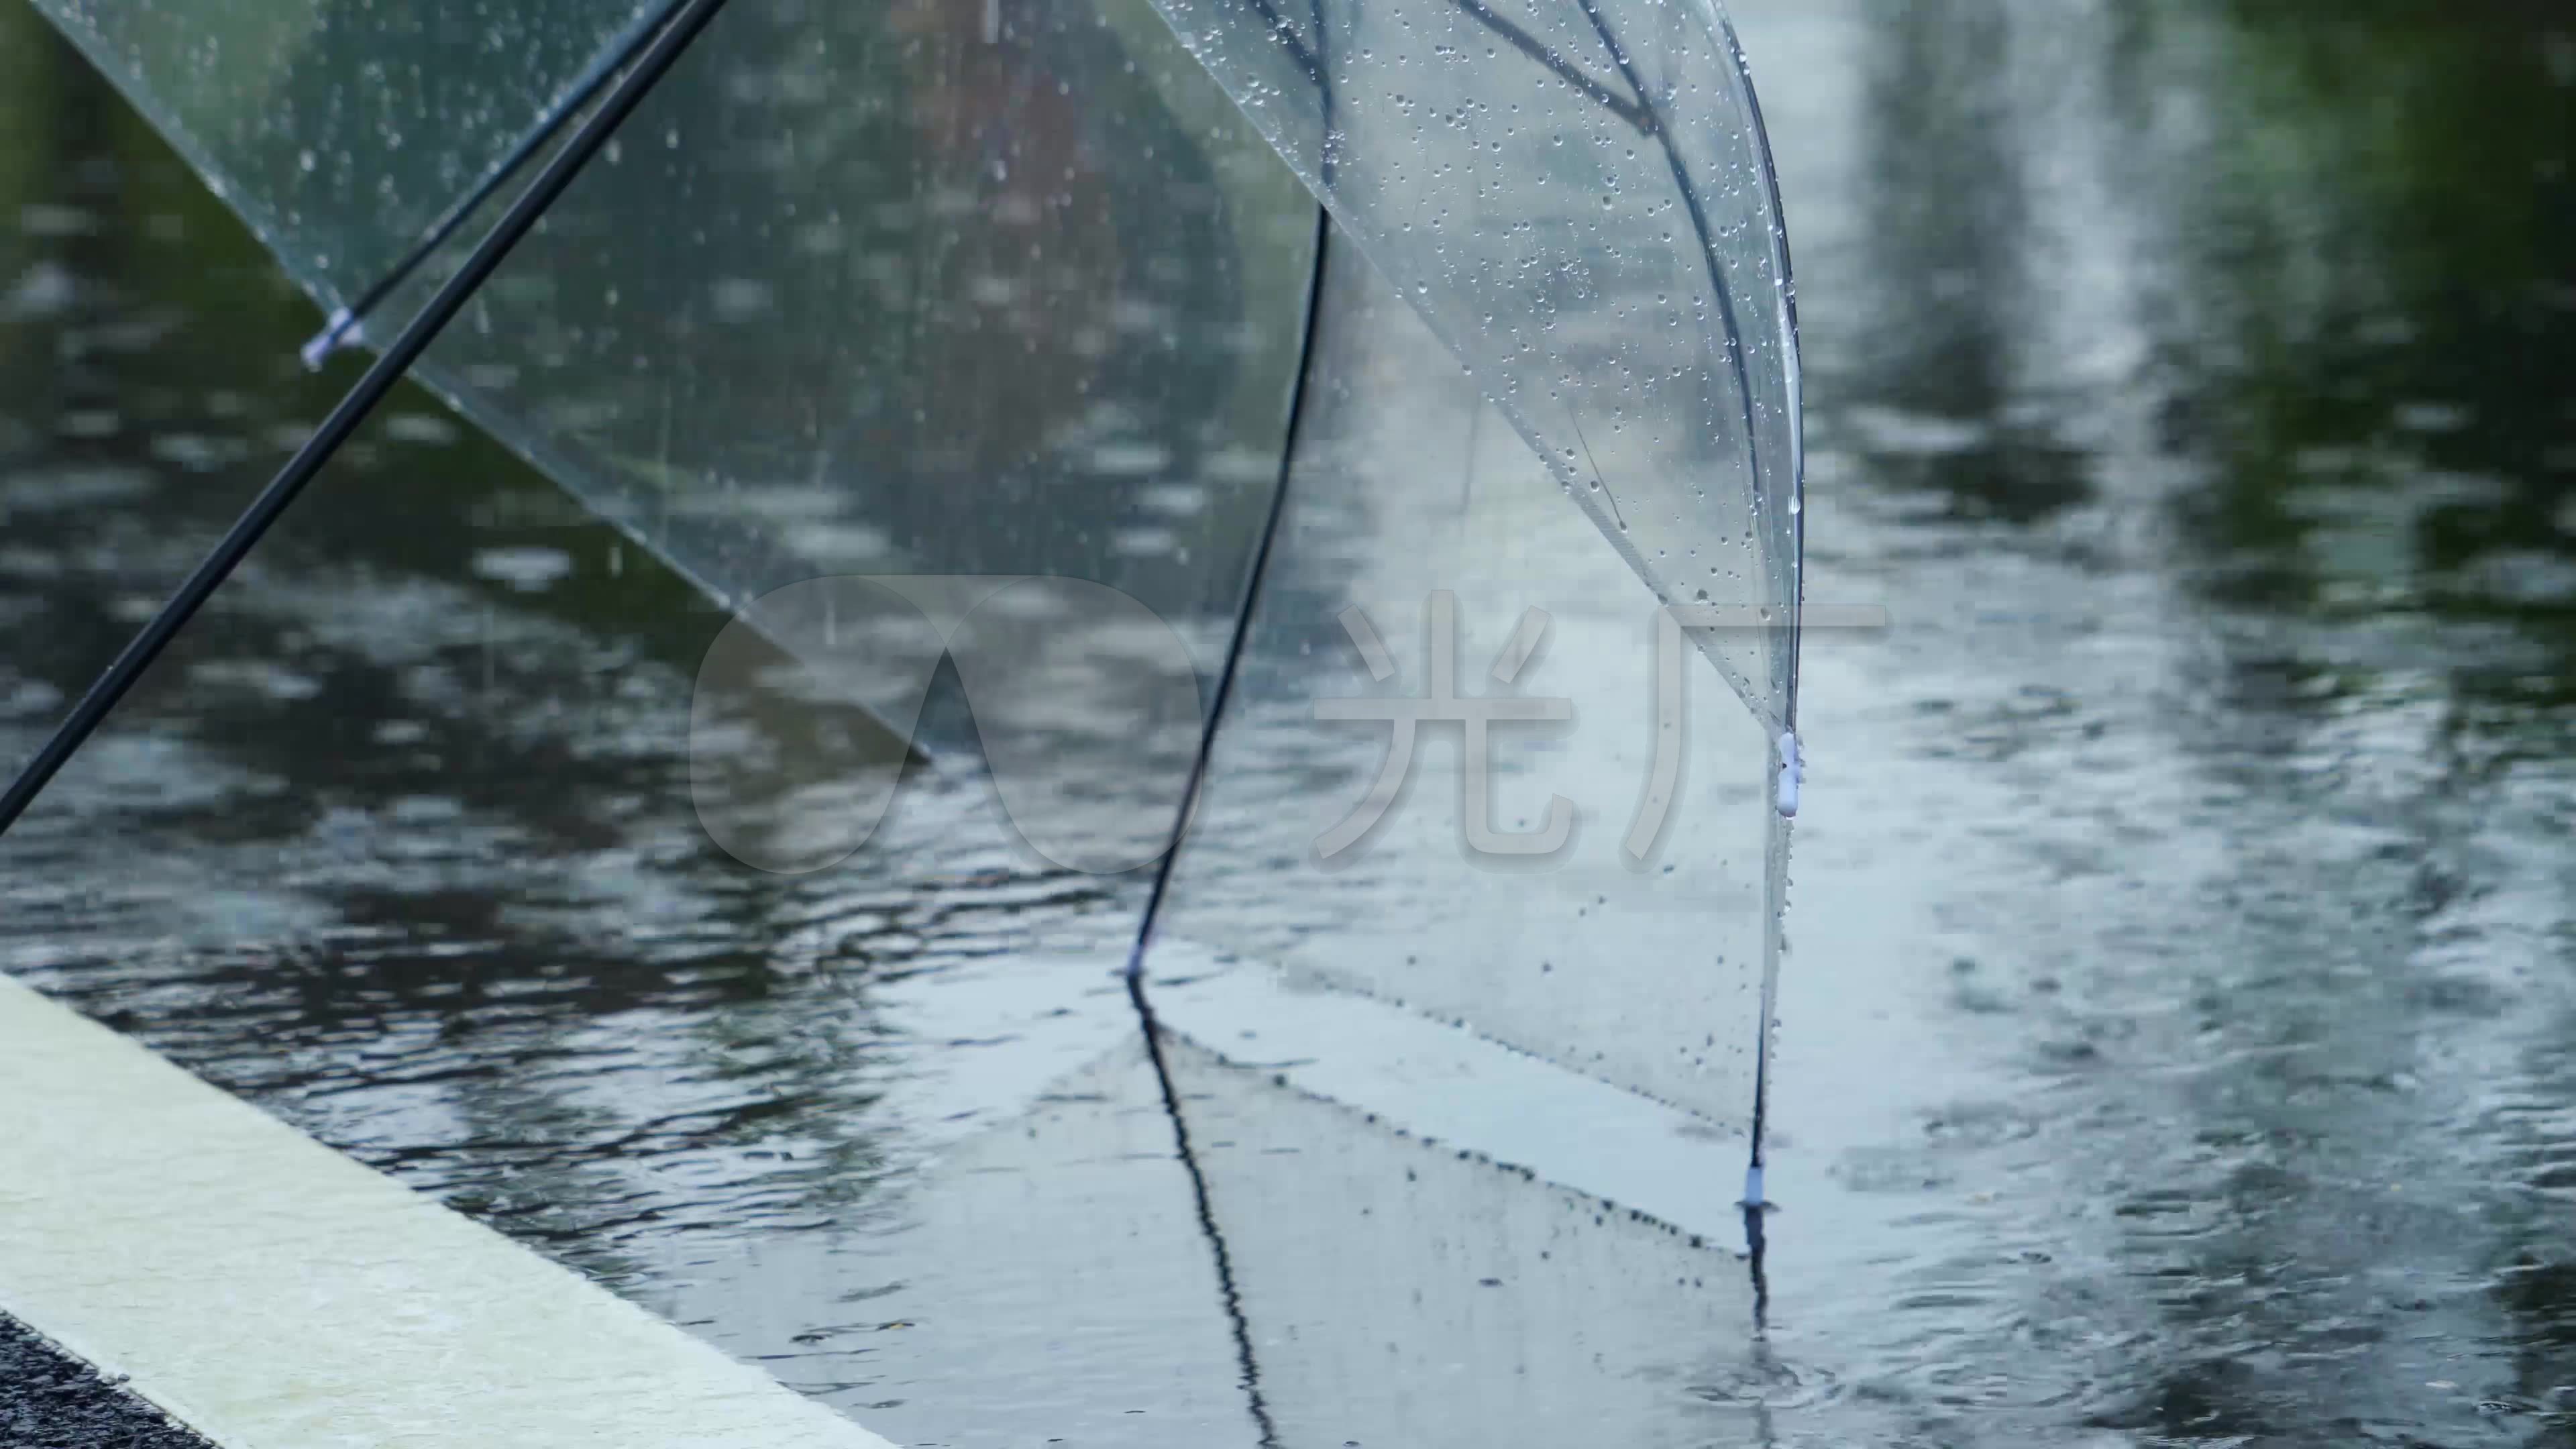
(273, 1294)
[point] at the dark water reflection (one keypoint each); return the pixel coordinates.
(2178, 1032)
(2205, 365)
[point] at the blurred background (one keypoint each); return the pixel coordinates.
(2178, 1034)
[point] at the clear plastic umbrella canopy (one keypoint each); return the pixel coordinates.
(1016, 372)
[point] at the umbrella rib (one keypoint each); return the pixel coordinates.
(345, 323)
(1789, 309)
(353, 410)
(1326, 153)
(1298, 49)
(1634, 113)
(1699, 225)
(1259, 571)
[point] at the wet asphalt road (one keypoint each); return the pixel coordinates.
(51, 1400)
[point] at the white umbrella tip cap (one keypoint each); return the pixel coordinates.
(1792, 774)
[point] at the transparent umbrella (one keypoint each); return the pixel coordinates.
(1338, 589)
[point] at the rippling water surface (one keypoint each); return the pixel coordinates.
(2176, 1040)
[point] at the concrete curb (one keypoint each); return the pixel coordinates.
(273, 1294)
